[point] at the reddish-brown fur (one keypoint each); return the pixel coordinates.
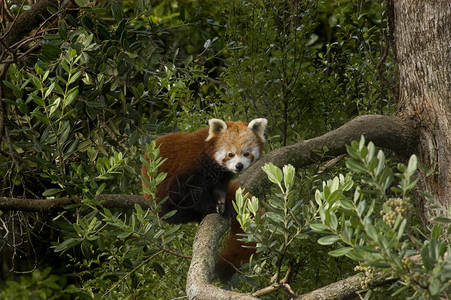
(184, 153)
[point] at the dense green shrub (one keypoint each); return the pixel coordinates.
(111, 76)
(365, 213)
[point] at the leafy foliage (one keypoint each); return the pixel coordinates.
(284, 240)
(102, 79)
(348, 214)
(118, 255)
(41, 285)
(306, 66)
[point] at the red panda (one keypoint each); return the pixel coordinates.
(200, 167)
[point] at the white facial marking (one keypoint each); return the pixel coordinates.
(219, 155)
(256, 153)
(231, 165)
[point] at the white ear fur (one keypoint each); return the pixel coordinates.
(216, 127)
(258, 126)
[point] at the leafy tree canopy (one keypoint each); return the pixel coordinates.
(87, 88)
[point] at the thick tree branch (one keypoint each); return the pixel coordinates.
(340, 290)
(388, 132)
(205, 250)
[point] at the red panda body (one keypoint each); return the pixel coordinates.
(200, 167)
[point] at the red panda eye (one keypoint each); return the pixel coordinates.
(246, 154)
(231, 155)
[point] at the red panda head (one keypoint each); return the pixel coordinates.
(236, 144)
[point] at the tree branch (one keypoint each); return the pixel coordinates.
(205, 250)
(340, 290)
(389, 132)
(49, 205)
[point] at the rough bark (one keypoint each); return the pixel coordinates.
(388, 132)
(422, 31)
(205, 249)
(340, 290)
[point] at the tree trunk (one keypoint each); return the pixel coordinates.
(422, 34)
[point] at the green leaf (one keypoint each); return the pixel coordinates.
(434, 286)
(274, 173)
(65, 130)
(346, 204)
(371, 151)
(62, 29)
(71, 96)
(50, 192)
(401, 229)
(288, 176)
(40, 116)
(66, 68)
(74, 77)
(381, 163)
(333, 221)
(355, 166)
(318, 227)
(334, 197)
(67, 244)
(38, 100)
(362, 143)
(386, 178)
(10, 102)
(352, 152)
(82, 3)
(158, 269)
(436, 231)
(361, 207)
(318, 197)
(379, 264)
(371, 231)
(441, 219)
(429, 253)
(412, 165)
(116, 9)
(328, 240)
(36, 81)
(340, 252)
(324, 215)
(49, 90)
(169, 214)
(72, 53)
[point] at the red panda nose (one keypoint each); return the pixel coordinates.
(239, 166)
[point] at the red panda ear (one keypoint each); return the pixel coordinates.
(216, 127)
(258, 126)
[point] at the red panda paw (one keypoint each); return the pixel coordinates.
(220, 206)
(223, 208)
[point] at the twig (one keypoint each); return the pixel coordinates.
(282, 284)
